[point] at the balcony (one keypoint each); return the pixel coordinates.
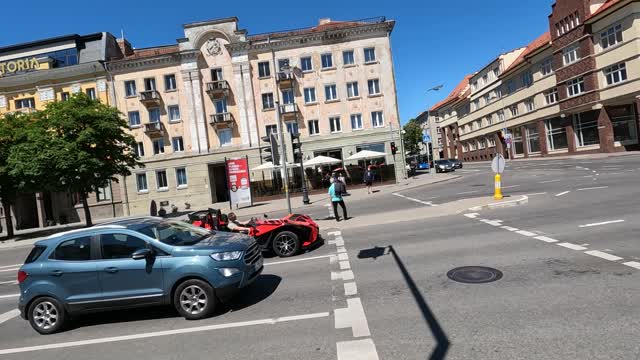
(218, 89)
(154, 129)
(221, 119)
(285, 79)
(289, 111)
(150, 97)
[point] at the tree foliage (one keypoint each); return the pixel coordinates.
(412, 137)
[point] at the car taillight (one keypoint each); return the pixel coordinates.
(22, 276)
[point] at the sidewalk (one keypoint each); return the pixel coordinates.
(595, 156)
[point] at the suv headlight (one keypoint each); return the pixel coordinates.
(226, 256)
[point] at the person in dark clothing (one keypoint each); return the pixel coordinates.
(368, 178)
(336, 190)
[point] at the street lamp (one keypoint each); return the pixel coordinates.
(432, 131)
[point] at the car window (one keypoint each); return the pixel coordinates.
(78, 249)
(120, 246)
(179, 233)
(34, 254)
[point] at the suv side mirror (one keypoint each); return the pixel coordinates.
(142, 254)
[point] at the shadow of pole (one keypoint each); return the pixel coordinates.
(442, 342)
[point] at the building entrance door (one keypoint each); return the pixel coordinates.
(218, 183)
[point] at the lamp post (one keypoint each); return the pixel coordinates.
(432, 131)
(404, 156)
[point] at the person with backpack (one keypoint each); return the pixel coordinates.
(336, 190)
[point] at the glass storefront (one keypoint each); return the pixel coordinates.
(518, 146)
(556, 134)
(624, 124)
(586, 130)
(533, 138)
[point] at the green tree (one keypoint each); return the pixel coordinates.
(78, 145)
(412, 137)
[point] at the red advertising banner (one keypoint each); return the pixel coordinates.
(238, 181)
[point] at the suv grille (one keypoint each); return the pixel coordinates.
(253, 254)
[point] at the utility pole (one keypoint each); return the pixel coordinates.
(283, 157)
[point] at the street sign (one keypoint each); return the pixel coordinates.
(498, 163)
(426, 138)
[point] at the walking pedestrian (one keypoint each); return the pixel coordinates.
(343, 180)
(335, 191)
(368, 178)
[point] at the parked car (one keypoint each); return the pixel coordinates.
(444, 166)
(134, 263)
(457, 164)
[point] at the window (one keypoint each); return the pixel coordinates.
(556, 134)
(178, 144)
(533, 138)
(287, 96)
(465, 147)
(149, 84)
(120, 246)
(103, 193)
(356, 122)
(616, 73)
(511, 86)
(374, 86)
(158, 146)
(352, 89)
(474, 85)
(575, 87)
(309, 95)
(335, 125)
(377, 120)
(161, 180)
(216, 74)
(263, 69)
(624, 123)
(271, 129)
(475, 105)
(170, 82)
(475, 125)
(516, 139)
(327, 61)
(586, 130)
(139, 149)
(570, 54)
(134, 118)
(481, 144)
(498, 92)
(130, 88)
(347, 57)
(514, 110)
(496, 73)
(283, 64)
(330, 92)
(472, 145)
(491, 141)
(487, 99)
(306, 64)
(78, 249)
(527, 78)
(174, 112)
(221, 106)
(64, 96)
(224, 136)
(551, 96)
(490, 119)
(154, 115)
(611, 36)
(485, 79)
(28, 103)
(181, 177)
(314, 127)
(292, 127)
(91, 93)
(267, 101)
(546, 67)
(501, 115)
(369, 55)
(529, 104)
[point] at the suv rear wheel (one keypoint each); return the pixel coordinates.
(46, 315)
(194, 299)
(286, 244)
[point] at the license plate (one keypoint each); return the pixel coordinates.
(258, 264)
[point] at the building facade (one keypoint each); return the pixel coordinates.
(573, 90)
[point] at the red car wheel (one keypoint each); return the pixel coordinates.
(286, 244)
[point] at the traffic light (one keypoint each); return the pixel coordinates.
(271, 153)
(296, 147)
(394, 148)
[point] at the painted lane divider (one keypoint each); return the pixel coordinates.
(602, 223)
(572, 246)
(603, 255)
(563, 193)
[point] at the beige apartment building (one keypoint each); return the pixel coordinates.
(213, 96)
(572, 90)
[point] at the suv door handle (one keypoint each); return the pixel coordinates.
(56, 273)
(111, 270)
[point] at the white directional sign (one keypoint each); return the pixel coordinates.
(498, 163)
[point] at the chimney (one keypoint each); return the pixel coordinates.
(125, 47)
(324, 21)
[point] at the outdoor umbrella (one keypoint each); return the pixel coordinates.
(321, 160)
(269, 166)
(366, 154)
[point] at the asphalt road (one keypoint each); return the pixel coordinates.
(570, 261)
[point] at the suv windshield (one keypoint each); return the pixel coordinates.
(175, 233)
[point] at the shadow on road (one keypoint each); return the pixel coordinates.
(442, 342)
(261, 289)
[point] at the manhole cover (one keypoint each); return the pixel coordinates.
(474, 274)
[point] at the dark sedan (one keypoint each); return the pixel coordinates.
(444, 166)
(457, 164)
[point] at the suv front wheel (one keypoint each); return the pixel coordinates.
(46, 315)
(194, 299)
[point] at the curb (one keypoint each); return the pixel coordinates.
(523, 200)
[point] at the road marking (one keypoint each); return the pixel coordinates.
(344, 265)
(510, 186)
(603, 255)
(335, 233)
(297, 260)
(534, 194)
(593, 171)
(428, 203)
(546, 239)
(510, 228)
(12, 282)
(602, 223)
(468, 192)
(343, 275)
(10, 266)
(9, 315)
(563, 193)
(526, 233)
(343, 256)
(271, 321)
(9, 296)
(572, 246)
(593, 188)
(550, 181)
(588, 176)
(350, 289)
(341, 249)
(357, 350)
(352, 317)
(633, 264)
(492, 222)
(472, 215)
(9, 270)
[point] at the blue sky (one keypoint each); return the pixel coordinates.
(434, 42)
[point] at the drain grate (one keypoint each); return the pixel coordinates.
(474, 274)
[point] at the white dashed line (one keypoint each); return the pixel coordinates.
(593, 188)
(428, 203)
(353, 317)
(344, 265)
(12, 282)
(603, 255)
(296, 260)
(9, 270)
(468, 192)
(343, 256)
(526, 233)
(342, 275)
(572, 246)
(472, 215)
(534, 194)
(357, 350)
(510, 186)
(510, 228)
(550, 181)
(546, 239)
(9, 315)
(633, 264)
(9, 296)
(350, 289)
(10, 266)
(602, 223)
(563, 193)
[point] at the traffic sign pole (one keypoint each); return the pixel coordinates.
(497, 165)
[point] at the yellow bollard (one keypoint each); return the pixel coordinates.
(498, 188)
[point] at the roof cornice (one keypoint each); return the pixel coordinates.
(125, 65)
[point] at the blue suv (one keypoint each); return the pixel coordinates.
(132, 263)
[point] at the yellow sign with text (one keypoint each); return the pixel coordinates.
(15, 66)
